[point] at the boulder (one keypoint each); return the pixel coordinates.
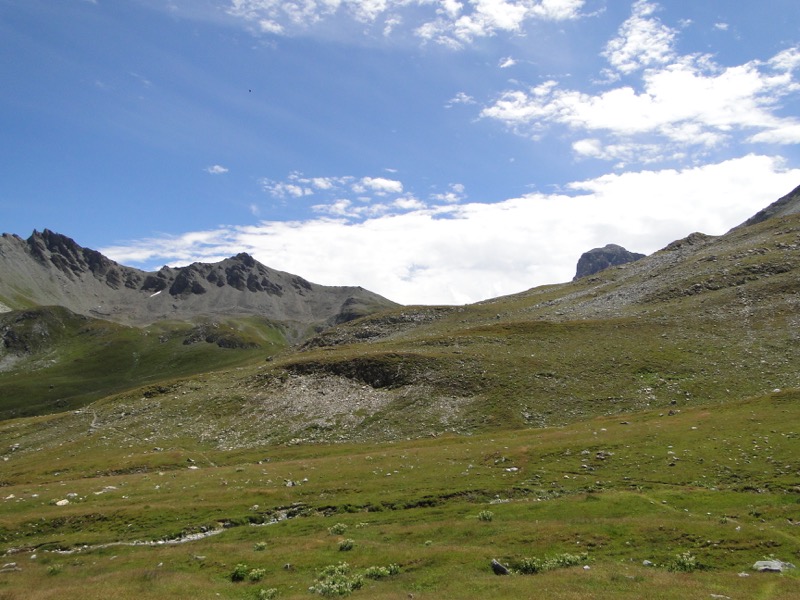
(772, 566)
(499, 569)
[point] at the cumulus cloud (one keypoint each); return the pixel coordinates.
(216, 170)
(681, 104)
(642, 41)
(465, 252)
(448, 22)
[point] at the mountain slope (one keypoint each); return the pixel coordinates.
(52, 359)
(705, 320)
(51, 269)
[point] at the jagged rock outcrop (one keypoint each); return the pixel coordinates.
(49, 268)
(610, 255)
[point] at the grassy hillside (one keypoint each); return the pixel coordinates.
(56, 360)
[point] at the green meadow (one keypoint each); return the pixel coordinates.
(573, 512)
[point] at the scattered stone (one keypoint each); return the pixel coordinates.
(9, 568)
(647, 563)
(63, 502)
(499, 569)
(772, 566)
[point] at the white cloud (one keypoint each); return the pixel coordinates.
(672, 107)
(472, 251)
(447, 22)
(378, 185)
(721, 26)
(216, 170)
(455, 194)
(642, 41)
(690, 103)
(460, 98)
(507, 62)
(789, 134)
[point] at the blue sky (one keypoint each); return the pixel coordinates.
(433, 151)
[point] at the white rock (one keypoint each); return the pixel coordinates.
(772, 566)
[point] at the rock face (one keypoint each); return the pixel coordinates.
(596, 260)
(51, 269)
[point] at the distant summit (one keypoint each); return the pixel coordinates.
(596, 260)
(49, 268)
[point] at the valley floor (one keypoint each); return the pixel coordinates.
(650, 505)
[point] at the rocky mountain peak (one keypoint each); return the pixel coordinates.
(53, 269)
(62, 252)
(597, 259)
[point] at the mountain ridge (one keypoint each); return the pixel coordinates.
(49, 268)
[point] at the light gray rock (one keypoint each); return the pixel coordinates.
(772, 566)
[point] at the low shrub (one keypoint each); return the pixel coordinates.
(240, 572)
(485, 515)
(337, 529)
(346, 545)
(336, 580)
(532, 566)
(685, 562)
(381, 572)
(256, 574)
